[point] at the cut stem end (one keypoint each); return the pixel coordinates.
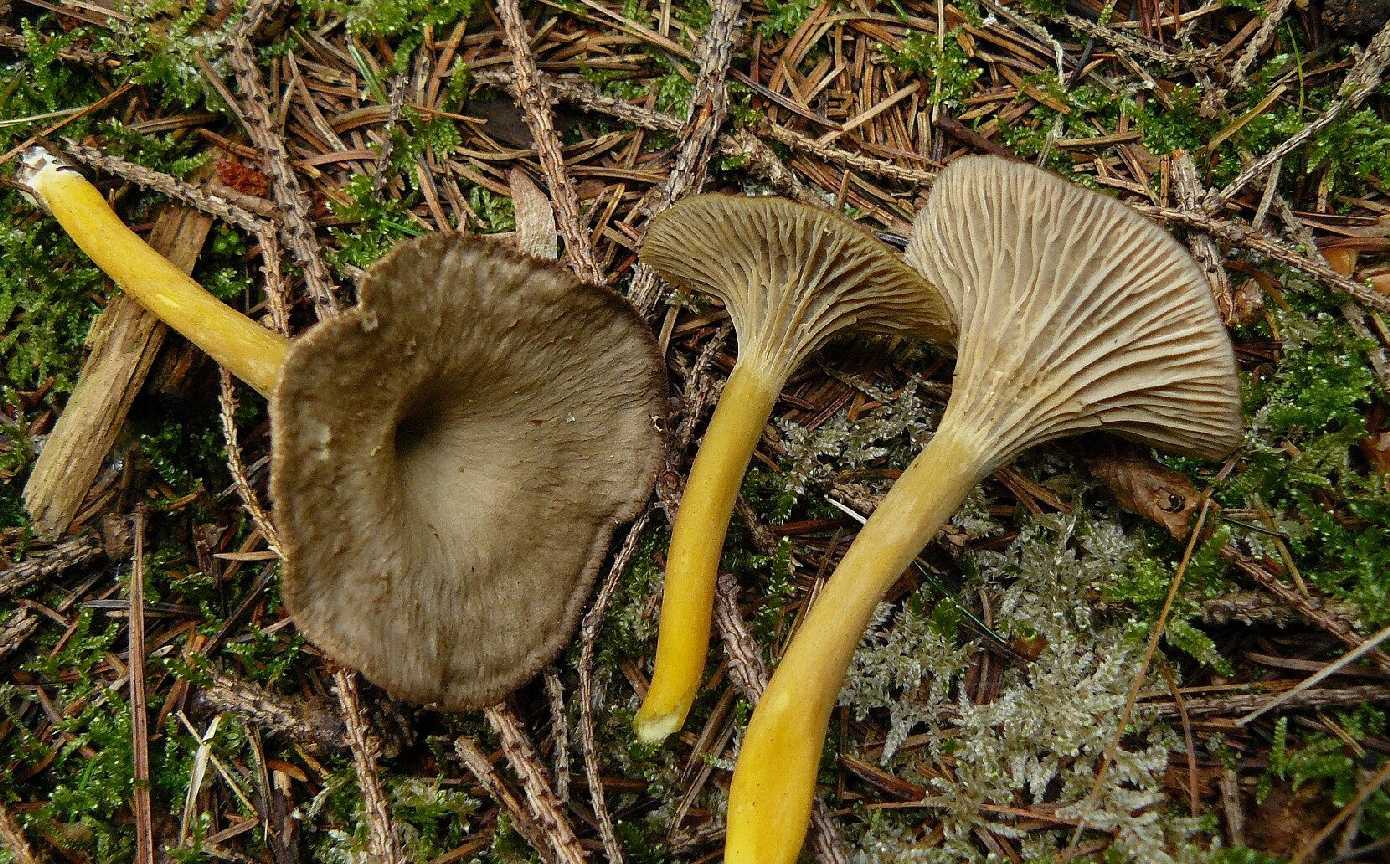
(247, 350)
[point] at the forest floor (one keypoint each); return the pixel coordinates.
(278, 149)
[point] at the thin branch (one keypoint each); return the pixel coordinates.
(275, 714)
(588, 635)
(540, 798)
(1254, 241)
(70, 553)
(139, 731)
(1364, 77)
(12, 835)
(384, 845)
(298, 228)
(749, 674)
(228, 404)
(488, 776)
(699, 134)
(533, 92)
(1321, 675)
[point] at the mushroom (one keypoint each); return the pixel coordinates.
(791, 277)
(450, 458)
(1075, 314)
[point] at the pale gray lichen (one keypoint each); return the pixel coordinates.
(898, 428)
(1039, 742)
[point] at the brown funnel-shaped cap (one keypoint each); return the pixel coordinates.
(450, 461)
(790, 275)
(1075, 313)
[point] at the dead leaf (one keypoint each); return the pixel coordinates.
(536, 234)
(1145, 488)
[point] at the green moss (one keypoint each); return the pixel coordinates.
(946, 65)
(392, 17)
(1325, 760)
(785, 17)
(378, 223)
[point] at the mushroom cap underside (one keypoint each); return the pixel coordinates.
(1076, 313)
(791, 276)
(451, 459)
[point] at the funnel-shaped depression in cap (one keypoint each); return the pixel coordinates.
(450, 461)
(1076, 313)
(791, 276)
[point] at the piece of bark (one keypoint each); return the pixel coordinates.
(536, 233)
(124, 340)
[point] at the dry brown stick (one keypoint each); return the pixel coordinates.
(257, 13)
(1296, 600)
(166, 185)
(249, 499)
(139, 733)
(1254, 241)
(1230, 804)
(868, 164)
(1204, 249)
(12, 835)
(383, 843)
(488, 776)
(295, 718)
(1273, 16)
(741, 143)
(277, 293)
(533, 91)
(1257, 607)
(749, 674)
(540, 798)
(699, 134)
(17, 628)
(124, 340)
(588, 635)
(1364, 77)
(297, 227)
(560, 732)
(1127, 45)
(41, 565)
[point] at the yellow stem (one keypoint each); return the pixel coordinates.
(248, 350)
(775, 777)
(697, 539)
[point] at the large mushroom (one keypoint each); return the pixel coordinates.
(1075, 314)
(791, 277)
(450, 458)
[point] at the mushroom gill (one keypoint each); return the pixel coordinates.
(1075, 314)
(791, 277)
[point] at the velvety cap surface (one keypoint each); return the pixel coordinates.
(790, 275)
(451, 459)
(1075, 313)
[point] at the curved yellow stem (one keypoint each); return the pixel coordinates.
(248, 350)
(697, 539)
(775, 777)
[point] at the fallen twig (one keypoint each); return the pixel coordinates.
(384, 846)
(540, 799)
(533, 92)
(749, 673)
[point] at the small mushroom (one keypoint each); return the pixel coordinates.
(450, 458)
(1075, 314)
(791, 277)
